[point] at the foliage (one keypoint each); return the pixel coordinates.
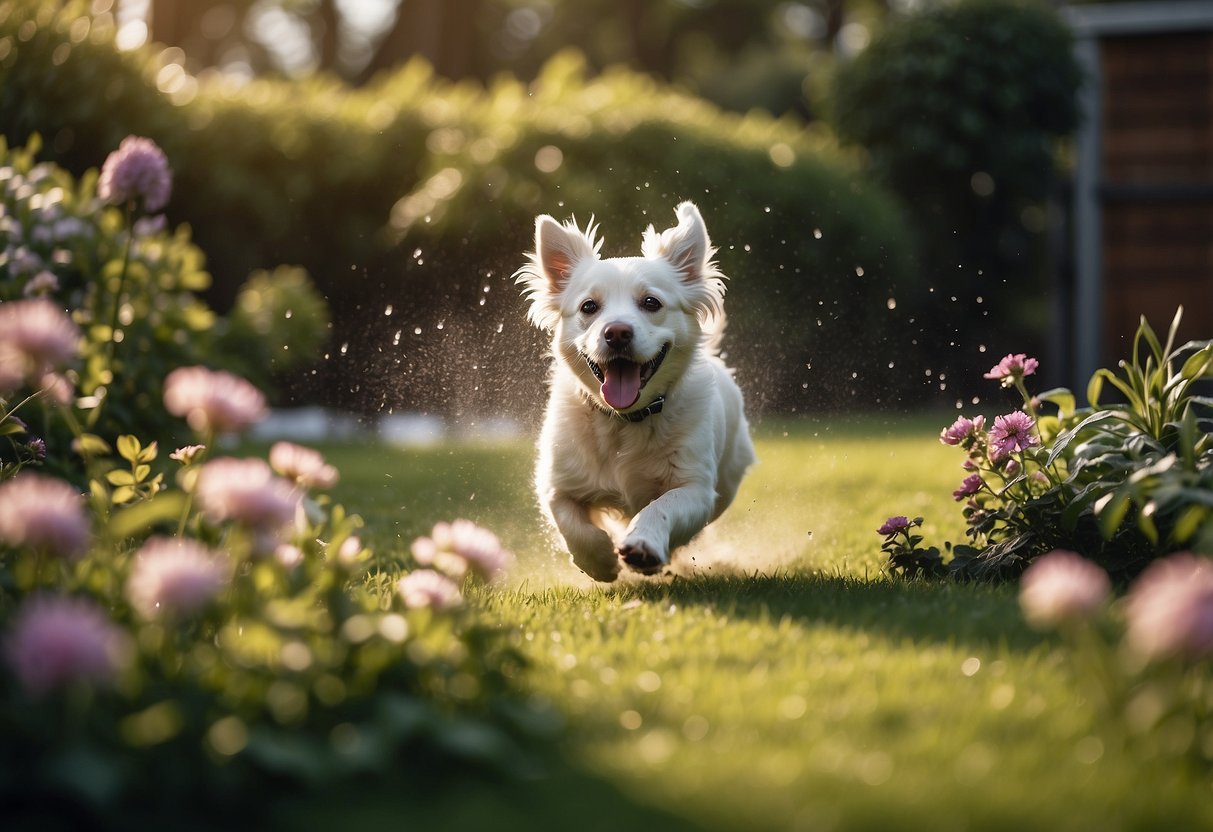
(1145, 661)
(57, 240)
(1123, 482)
(960, 108)
(414, 194)
(202, 635)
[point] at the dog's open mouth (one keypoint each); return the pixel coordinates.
(623, 379)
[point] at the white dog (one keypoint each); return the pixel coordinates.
(645, 438)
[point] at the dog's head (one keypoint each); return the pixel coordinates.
(626, 326)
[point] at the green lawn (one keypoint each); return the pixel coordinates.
(781, 681)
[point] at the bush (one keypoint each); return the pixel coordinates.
(342, 181)
(1121, 483)
(58, 241)
(198, 636)
(960, 109)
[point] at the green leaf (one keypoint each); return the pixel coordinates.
(1111, 509)
(8, 428)
(1198, 365)
(1145, 522)
(91, 445)
(120, 478)
(148, 454)
(123, 495)
(137, 519)
(1188, 522)
(1174, 329)
(129, 447)
(1144, 330)
(142, 472)
(1095, 387)
(1061, 397)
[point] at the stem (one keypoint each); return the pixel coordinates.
(126, 262)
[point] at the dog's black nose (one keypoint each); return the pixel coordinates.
(618, 335)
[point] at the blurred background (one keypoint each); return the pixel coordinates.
(890, 182)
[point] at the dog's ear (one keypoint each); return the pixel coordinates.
(558, 249)
(685, 246)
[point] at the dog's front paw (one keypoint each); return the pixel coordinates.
(642, 557)
(599, 565)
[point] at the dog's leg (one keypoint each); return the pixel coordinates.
(665, 524)
(591, 547)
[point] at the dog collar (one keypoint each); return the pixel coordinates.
(645, 412)
(640, 415)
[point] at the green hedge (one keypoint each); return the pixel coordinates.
(411, 202)
(961, 109)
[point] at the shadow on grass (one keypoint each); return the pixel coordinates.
(560, 796)
(971, 614)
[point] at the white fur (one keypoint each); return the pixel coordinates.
(618, 491)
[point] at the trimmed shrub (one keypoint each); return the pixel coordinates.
(960, 109)
(407, 199)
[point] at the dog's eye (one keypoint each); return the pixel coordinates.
(650, 304)
(589, 307)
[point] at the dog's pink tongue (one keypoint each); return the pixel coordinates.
(621, 384)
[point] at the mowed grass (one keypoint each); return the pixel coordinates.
(781, 680)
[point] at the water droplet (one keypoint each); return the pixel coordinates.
(416, 330)
(345, 348)
(816, 233)
(388, 310)
(891, 303)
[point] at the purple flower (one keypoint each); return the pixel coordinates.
(962, 431)
(304, 466)
(456, 547)
(894, 525)
(1062, 586)
(1170, 608)
(1012, 368)
(212, 400)
(41, 285)
(246, 491)
(57, 640)
(35, 336)
(43, 514)
(173, 578)
(427, 588)
(971, 485)
(1012, 432)
(136, 172)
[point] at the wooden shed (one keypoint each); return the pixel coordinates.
(1143, 189)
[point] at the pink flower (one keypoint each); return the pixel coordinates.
(894, 525)
(174, 578)
(1012, 367)
(213, 400)
(1062, 586)
(42, 284)
(456, 547)
(44, 514)
(288, 555)
(1012, 432)
(304, 466)
(427, 588)
(1170, 608)
(971, 485)
(963, 431)
(137, 171)
(348, 552)
(35, 336)
(187, 455)
(56, 641)
(245, 491)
